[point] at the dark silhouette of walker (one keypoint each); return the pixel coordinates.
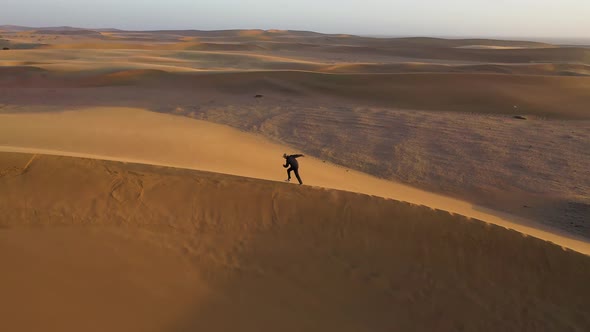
(291, 162)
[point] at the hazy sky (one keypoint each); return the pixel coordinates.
(498, 18)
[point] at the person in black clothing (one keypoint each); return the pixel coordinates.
(291, 162)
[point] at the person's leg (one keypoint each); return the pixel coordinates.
(297, 175)
(289, 173)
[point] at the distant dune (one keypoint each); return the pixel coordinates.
(490, 47)
(467, 50)
(152, 248)
(453, 75)
(463, 92)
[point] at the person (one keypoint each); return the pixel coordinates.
(291, 162)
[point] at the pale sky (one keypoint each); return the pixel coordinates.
(485, 18)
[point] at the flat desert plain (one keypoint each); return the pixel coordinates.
(447, 182)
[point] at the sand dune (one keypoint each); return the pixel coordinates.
(520, 69)
(137, 136)
(115, 218)
(304, 44)
(355, 70)
(332, 116)
(491, 47)
(462, 92)
(184, 57)
(411, 120)
(148, 248)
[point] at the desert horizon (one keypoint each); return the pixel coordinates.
(563, 40)
(446, 181)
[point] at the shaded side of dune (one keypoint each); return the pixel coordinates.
(282, 257)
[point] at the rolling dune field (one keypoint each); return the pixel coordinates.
(446, 182)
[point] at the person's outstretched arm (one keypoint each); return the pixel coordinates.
(297, 155)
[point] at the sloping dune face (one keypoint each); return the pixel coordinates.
(97, 245)
(135, 135)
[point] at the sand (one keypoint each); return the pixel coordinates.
(141, 182)
(98, 245)
(135, 135)
(438, 117)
